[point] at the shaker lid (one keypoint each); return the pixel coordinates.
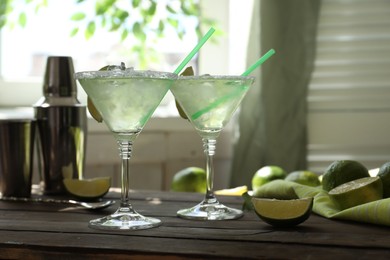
(59, 80)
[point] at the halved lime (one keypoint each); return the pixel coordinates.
(88, 189)
(283, 213)
(357, 192)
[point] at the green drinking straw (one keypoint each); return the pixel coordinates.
(194, 51)
(259, 62)
(228, 97)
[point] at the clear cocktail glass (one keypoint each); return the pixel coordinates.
(209, 102)
(126, 99)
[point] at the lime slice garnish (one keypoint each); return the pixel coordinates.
(88, 189)
(93, 111)
(283, 213)
(189, 71)
(357, 192)
(91, 106)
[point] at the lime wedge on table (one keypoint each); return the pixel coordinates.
(357, 192)
(88, 189)
(237, 191)
(283, 213)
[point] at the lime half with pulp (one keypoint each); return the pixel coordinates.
(283, 213)
(357, 192)
(88, 189)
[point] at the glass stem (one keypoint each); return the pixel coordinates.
(209, 146)
(125, 149)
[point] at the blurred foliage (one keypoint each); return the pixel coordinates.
(138, 21)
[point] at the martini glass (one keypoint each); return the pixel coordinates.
(126, 99)
(209, 102)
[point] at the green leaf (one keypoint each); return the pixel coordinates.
(170, 9)
(74, 32)
(138, 32)
(2, 23)
(22, 20)
(90, 31)
(121, 14)
(124, 35)
(152, 9)
(136, 3)
(102, 6)
(173, 22)
(78, 16)
(161, 27)
(104, 21)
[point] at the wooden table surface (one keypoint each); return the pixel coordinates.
(51, 231)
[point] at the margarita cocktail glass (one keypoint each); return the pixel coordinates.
(209, 102)
(126, 99)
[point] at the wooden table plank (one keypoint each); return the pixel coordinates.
(41, 230)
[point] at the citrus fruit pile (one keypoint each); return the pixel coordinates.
(269, 173)
(347, 182)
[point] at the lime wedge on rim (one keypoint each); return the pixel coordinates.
(93, 111)
(283, 213)
(88, 189)
(189, 71)
(357, 192)
(90, 105)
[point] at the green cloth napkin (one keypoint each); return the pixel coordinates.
(376, 212)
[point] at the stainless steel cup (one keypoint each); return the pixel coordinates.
(16, 156)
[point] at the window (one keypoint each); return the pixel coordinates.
(349, 93)
(24, 51)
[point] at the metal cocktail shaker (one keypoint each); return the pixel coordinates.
(62, 127)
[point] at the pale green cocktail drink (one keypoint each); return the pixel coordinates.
(209, 103)
(126, 99)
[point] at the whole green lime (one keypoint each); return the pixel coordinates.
(191, 179)
(384, 174)
(266, 174)
(340, 172)
(304, 177)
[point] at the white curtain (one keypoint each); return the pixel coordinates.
(273, 117)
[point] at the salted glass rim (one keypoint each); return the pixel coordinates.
(216, 77)
(127, 73)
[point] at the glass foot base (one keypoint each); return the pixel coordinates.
(124, 219)
(210, 211)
